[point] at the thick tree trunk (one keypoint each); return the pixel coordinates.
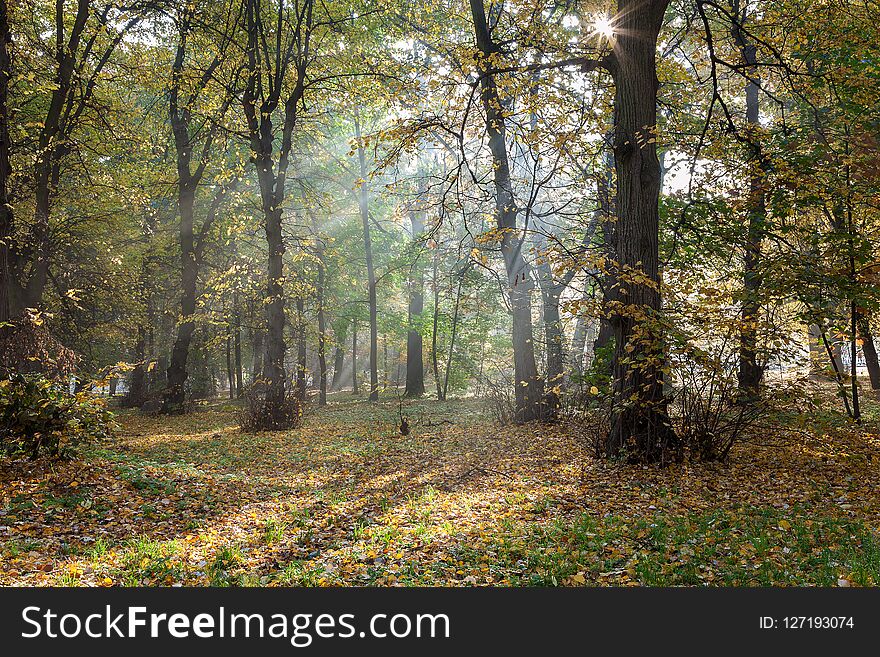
(363, 202)
(415, 366)
(137, 382)
(551, 291)
(339, 357)
(528, 386)
(276, 348)
(175, 395)
(640, 428)
(338, 366)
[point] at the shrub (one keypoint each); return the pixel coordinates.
(262, 414)
(28, 347)
(709, 412)
(39, 417)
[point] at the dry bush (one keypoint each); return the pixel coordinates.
(262, 414)
(27, 347)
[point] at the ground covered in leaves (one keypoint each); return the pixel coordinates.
(346, 500)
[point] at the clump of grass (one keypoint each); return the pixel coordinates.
(221, 570)
(273, 531)
(145, 561)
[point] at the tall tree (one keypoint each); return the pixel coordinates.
(278, 55)
(750, 372)
(364, 206)
(182, 100)
(528, 386)
(415, 366)
(640, 426)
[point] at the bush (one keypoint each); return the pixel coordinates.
(709, 412)
(39, 417)
(28, 347)
(262, 414)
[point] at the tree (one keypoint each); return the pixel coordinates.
(182, 100)
(528, 386)
(640, 426)
(278, 49)
(415, 367)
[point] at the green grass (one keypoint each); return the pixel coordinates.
(221, 570)
(748, 547)
(145, 561)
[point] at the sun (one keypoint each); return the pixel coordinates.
(603, 27)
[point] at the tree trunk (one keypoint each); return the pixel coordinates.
(230, 371)
(579, 339)
(415, 366)
(339, 358)
(137, 382)
(435, 326)
(452, 337)
(260, 100)
(257, 356)
(236, 338)
(6, 213)
(640, 427)
(528, 387)
(354, 358)
(363, 202)
(300, 349)
(322, 340)
(750, 372)
(554, 338)
(869, 350)
(175, 395)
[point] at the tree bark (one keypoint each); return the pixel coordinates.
(230, 371)
(236, 347)
(257, 355)
(301, 355)
(640, 428)
(435, 326)
(750, 372)
(415, 366)
(528, 386)
(869, 351)
(354, 358)
(322, 340)
(363, 202)
(6, 212)
(339, 357)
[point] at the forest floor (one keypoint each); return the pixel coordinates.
(346, 500)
